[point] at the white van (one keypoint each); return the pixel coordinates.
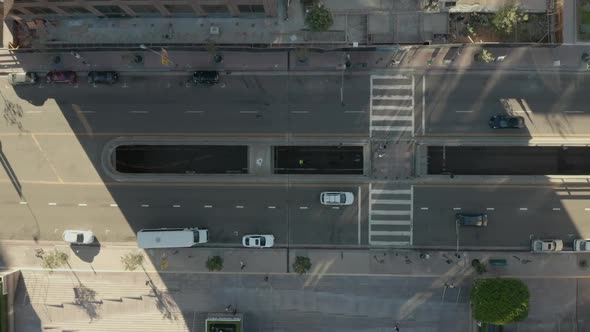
(22, 78)
(171, 237)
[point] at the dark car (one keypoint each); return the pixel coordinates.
(103, 77)
(206, 77)
(503, 121)
(61, 77)
(479, 220)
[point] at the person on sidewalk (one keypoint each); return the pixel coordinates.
(396, 328)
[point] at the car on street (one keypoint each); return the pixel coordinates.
(336, 198)
(474, 219)
(78, 237)
(582, 245)
(208, 77)
(22, 78)
(258, 241)
(103, 77)
(500, 121)
(547, 245)
(66, 76)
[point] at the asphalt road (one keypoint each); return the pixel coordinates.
(167, 104)
(117, 212)
(460, 104)
(516, 215)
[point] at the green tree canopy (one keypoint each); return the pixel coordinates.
(507, 18)
(319, 18)
(214, 263)
(500, 301)
(302, 264)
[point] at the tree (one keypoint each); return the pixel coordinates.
(485, 56)
(500, 301)
(507, 18)
(132, 261)
(319, 18)
(302, 264)
(214, 263)
(55, 259)
(479, 267)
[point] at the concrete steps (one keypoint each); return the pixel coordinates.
(125, 322)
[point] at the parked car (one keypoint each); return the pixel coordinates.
(502, 121)
(22, 78)
(206, 77)
(464, 219)
(547, 245)
(581, 245)
(78, 237)
(103, 77)
(336, 198)
(67, 76)
(258, 241)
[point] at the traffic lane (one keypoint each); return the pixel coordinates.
(311, 223)
(516, 214)
(547, 101)
(265, 104)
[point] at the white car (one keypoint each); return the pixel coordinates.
(581, 245)
(258, 241)
(337, 198)
(547, 245)
(78, 237)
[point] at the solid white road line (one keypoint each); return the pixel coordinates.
(464, 111)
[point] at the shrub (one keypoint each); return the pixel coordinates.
(214, 263)
(302, 264)
(507, 18)
(55, 259)
(132, 261)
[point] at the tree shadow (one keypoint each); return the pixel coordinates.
(164, 302)
(86, 299)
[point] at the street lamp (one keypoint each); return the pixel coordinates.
(143, 47)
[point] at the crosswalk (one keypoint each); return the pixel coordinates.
(392, 106)
(390, 215)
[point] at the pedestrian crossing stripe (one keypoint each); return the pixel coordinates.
(391, 105)
(390, 218)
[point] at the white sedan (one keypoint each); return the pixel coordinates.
(258, 241)
(78, 237)
(581, 245)
(336, 198)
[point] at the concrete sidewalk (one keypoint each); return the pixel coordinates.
(422, 58)
(107, 258)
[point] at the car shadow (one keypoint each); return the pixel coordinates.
(86, 252)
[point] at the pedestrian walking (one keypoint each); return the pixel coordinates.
(228, 308)
(235, 311)
(242, 265)
(266, 278)
(396, 328)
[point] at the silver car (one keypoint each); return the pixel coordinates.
(78, 237)
(337, 198)
(581, 245)
(547, 245)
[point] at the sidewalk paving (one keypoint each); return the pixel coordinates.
(107, 258)
(422, 58)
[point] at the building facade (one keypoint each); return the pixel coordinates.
(27, 9)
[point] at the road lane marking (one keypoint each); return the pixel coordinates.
(457, 208)
(145, 205)
(248, 112)
(424, 105)
(303, 207)
(490, 209)
(335, 208)
(176, 205)
(208, 206)
(524, 209)
(464, 111)
(272, 207)
(587, 209)
(194, 112)
(49, 163)
(52, 204)
(82, 204)
(556, 209)
(355, 112)
(424, 208)
(299, 112)
(239, 206)
(113, 205)
(138, 112)
(23, 203)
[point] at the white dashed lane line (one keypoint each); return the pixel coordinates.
(52, 204)
(424, 208)
(239, 206)
(272, 207)
(303, 208)
(457, 208)
(208, 206)
(113, 205)
(145, 205)
(138, 112)
(524, 209)
(23, 203)
(556, 209)
(176, 205)
(82, 204)
(490, 209)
